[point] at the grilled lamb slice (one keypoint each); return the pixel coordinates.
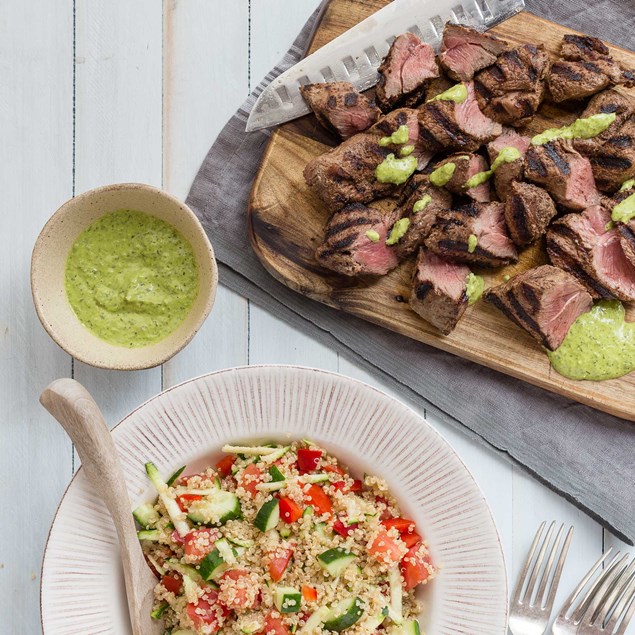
(511, 90)
(437, 86)
(507, 173)
(528, 212)
(544, 301)
(346, 174)
(421, 221)
(452, 126)
(404, 71)
(473, 233)
(404, 117)
(465, 50)
(340, 108)
(627, 240)
(589, 247)
(612, 152)
(439, 292)
(564, 173)
(586, 68)
(467, 165)
(348, 247)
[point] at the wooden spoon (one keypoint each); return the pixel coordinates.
(71, 404)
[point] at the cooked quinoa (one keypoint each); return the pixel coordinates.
(277, 540)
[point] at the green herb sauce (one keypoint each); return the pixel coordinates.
(398, 137)
(398, 231)
(506, 155)
(372, 235)
(131, 278)
(458, 94)
(627, 185)
(397, 171)
(625, 211)
(422, 203)
(475, 287)
(599, 345)
(472, 241)
(406, 150)
(580, 129)
(443, 174)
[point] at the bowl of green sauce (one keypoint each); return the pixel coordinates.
(123, 276)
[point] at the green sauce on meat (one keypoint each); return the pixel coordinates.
(398, 231)
(627, 185)
(372, 235)
(397, 171)
(443, 174)
(398, 137)
(625, 211)
(506, 155)
(422, 203)
(580, 129)
(406, 150)
(458, 94)
(472, 241)
(599, 345)
(474, 288)
(131, 278)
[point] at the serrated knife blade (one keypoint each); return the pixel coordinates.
(355, 55)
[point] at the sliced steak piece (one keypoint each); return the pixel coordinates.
(528, 211)
(544, 301)
(340, 108)
(627, 240)
(564, 173)
(405, 70)
(355, 242)
(437, 86)
(589, 247)
(465, 50)
(405, 117)
(346, 174)
(452, 126)
(467, 165)
(433, 201)
(439, 293)
(473, 233)
(507, 173)
(585, 68)
(612, 153)
(511, 90)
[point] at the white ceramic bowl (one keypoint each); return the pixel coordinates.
(82, 585)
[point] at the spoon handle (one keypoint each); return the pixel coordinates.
(71, 404)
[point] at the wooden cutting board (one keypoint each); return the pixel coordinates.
(286, 223)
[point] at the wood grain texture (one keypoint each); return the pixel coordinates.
(286, 224)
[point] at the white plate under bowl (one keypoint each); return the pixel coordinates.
(82, 584)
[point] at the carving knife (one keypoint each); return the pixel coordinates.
(355, 55)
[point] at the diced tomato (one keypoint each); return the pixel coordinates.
(185, 500)
(402, 525)
(249, 478)
(343, 487)
(279, 562)
(308, 460)
(414, 568)
(176, 537)
(385, 515)
(342, 529)
(309, 593)
(384, 548)
(334, 469)
(411, 540)
(224, 466)
(200, 542)
(357, 486)
(319, 500)
(207, 611)
(173, 582)
(339, 485)
(289, 510)
(242, 591)
(275, 626)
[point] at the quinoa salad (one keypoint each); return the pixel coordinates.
(281, 540)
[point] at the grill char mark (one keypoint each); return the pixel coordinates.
(561, 164)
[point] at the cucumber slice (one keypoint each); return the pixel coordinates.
(276, 474)
(249, 624)
(268, 515)
(274, 456)
(158, 568)
(287, 599)
(186, 570)
(225, 550)
(159, 611)
(314, 622)
(256, 450)
(182, 631)
(241, 542)
(411, 627)
(174, 512)
(285, 532)
(216, 509)
(373, 623)
(308, 511)
(149, 534)
(212, 566)
(322, 532)
(174, 476)
(190, 589)
(344, 614)
(146, 515)
(272, 486)
(395, 610)
(314, 478)
(334, 561)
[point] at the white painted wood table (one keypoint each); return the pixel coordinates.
(103, 91)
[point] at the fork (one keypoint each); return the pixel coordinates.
(530, 610)
(609, 601)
